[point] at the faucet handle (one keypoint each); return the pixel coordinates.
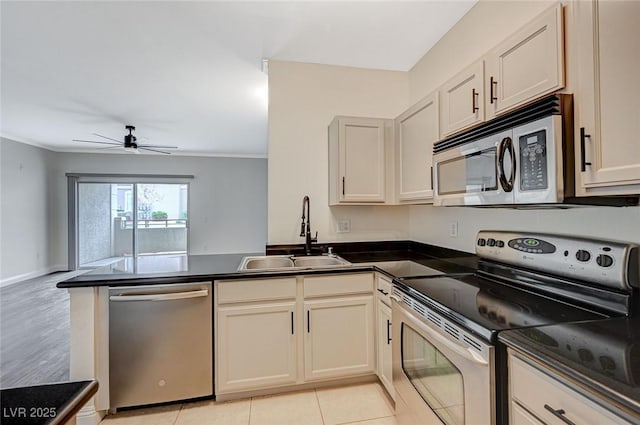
(330, 250)
(315, 239)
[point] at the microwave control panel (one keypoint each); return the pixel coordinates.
(533, 161)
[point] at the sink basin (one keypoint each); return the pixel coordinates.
(280, 262)
(318, 260)
(266, 262)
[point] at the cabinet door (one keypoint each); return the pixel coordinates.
(416, 132)
(462, 100)
(256, 346)
(339, 337)
(357, 145)
(384, 347)
(608, 96)
(528, 64)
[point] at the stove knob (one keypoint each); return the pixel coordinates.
(585, 355)
(604, 260)
(500, 244)
(482, 242)
(607, 363)
(491, 242)
(583, 255)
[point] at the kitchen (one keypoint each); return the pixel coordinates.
(301, 132)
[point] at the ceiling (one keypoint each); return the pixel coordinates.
(186, 73)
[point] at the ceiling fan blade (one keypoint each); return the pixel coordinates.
(157, 146)
(154, 150)
(95, 141)
(105, 137)
(110, 147)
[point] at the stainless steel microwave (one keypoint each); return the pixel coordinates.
(525, 157)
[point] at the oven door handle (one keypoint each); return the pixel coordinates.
(467, 352)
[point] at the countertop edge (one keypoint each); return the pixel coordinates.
(160, 279)
(76, 403)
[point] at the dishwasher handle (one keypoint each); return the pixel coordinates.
(167, 296)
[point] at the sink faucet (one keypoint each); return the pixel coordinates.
(305, 228)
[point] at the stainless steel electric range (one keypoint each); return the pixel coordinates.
(448, 365)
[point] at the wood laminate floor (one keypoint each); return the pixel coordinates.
(34, 332)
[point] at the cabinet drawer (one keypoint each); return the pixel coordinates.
(237, 291)
(383, 289)
(331, 285)
(540, 393)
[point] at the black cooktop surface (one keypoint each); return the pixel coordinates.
(486, 307)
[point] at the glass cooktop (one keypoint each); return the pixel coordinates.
(406, 268)
(486, 307)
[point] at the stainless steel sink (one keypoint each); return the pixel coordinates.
(266, 262)
(283, 262)
(319, 260)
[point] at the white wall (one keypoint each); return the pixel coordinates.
(303, 99)
(228, 204)
(487, 23)
(25, 206)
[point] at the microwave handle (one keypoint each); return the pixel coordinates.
(506, 145)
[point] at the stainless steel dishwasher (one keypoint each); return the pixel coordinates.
(160, 343)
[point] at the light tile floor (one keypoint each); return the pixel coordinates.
(362, 404)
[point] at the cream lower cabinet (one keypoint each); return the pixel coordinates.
(539, 396)
(384, 348)
(608, 97)
(281, 332)
(339, 337)
(257, 346)
(255, 341)
(383, 334)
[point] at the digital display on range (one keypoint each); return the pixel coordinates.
(532, 246)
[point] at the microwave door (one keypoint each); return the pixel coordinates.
(469, 174)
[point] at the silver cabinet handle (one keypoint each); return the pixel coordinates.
(559, 413)
(170, 296)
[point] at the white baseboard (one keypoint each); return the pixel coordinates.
(26, 276)
(88, 416)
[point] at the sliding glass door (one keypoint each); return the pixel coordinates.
(118, 220)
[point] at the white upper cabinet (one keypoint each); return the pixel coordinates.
(462, 100)
(608, 97)
(526, 65)
(357, 161)
(416, 132)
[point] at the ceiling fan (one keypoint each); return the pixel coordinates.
(130, 143)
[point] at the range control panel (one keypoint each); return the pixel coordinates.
(607, 263)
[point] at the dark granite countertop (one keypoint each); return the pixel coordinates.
(49, 404)
(192, 268)
(603, 355)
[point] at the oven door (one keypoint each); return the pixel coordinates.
(439, 380)
(477, 173)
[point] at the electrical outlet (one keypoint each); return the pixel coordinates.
(453, 229)
(344, 226)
